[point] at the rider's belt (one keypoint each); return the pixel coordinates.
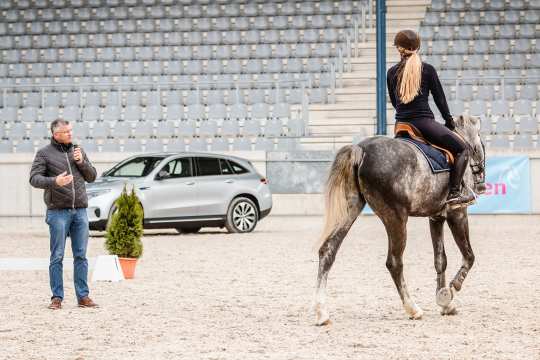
(415, 134)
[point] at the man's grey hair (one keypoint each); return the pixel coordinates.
(58, 123)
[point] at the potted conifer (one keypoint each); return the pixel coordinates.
(125, 232)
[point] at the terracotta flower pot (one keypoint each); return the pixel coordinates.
(128, 267)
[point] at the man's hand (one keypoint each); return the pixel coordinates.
(77, 155)
(63, 179)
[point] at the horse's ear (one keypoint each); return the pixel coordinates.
(460, 121)
(474, 121)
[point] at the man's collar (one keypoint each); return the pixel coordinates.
(60, 146)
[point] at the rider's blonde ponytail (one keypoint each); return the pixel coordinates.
(409, 75)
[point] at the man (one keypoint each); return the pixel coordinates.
(61, 169)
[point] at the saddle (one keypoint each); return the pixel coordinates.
(403, 130)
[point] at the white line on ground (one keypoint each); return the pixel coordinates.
(10, 264)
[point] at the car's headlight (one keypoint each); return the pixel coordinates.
(95, 193)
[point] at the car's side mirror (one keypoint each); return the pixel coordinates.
(163, 175)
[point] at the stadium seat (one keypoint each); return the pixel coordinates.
(500, 141)
(242, 144)
(198, 144)
(219, 144)
(528, 124)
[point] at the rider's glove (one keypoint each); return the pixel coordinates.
(450, 123)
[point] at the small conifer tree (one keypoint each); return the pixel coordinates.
(126, 229)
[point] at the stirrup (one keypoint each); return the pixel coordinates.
(460, 200)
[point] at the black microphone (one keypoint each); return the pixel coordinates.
(75, 146)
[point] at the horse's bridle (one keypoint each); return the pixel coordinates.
(479, 168)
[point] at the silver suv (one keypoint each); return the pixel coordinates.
(185, 191)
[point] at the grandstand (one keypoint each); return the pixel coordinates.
(489, 55)
(153, 75)
(201, 75)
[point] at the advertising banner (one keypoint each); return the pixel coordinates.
(508, 186)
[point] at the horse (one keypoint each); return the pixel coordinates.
(396, 181)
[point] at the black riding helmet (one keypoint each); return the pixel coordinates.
(407, 39)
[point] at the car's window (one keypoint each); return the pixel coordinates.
(225, 167)
(208, 166)
(179, 168)
(137, 167)
(237, 168)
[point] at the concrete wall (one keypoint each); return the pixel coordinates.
(310, 201)
(296, 180)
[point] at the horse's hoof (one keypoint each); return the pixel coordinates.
(417, 315)
(444, 297)
(451, 309)
(327, 322)
(323, 318)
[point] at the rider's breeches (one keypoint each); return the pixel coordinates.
(438, 134)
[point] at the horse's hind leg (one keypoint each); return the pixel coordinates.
(396, 228)
(459, 225)
(443, 295)
(327, 255)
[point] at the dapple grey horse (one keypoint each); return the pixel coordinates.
(394, 178)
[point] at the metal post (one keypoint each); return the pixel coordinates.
(381, 67)
(349, 50)
(355, 27)
(370, 12)
(340, 69)
(332, 84)
(80, 102)
(364, 37)
(305, 115)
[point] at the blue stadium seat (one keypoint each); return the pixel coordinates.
(500, 141)
(198, 144)
(523, 142)
(477, 108)
(91, 113)
(242, 144)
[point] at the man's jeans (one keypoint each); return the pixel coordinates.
(73, 223)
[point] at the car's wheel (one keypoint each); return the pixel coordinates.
(188, 230)
(242, 216)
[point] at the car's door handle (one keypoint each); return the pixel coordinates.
(144, 188)
(190, 183)
(229, 181)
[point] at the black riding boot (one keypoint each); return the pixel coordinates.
(455, 197)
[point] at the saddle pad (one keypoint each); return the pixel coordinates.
(435, 158)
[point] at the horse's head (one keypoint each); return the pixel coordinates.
(469, 128)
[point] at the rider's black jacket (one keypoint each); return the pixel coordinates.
(419, 107)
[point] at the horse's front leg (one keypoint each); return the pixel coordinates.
(443, 295)
(459, 225)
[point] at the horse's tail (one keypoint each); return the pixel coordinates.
(342, 178)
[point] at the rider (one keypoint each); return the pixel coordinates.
(409, 83)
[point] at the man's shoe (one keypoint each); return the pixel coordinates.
(86, 302)
(56, 303)
(456, 199)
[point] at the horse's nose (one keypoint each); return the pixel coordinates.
(480, 188)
